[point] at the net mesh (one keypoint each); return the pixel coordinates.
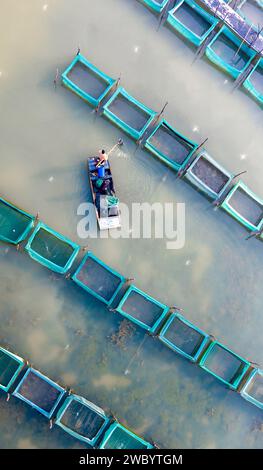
(193, 20)
(224, 364)
(184, 337)
(210, 175)
(87, 80)
(120, 439)
(141, 308)
(99, 279)
(246, 206)
(171, 145)
(129, 112)
(39, 392)
(230, 52)
(82, 420)
(8, 368)
(255, 388)
(12, 222)
(51, 248)
(257, 79)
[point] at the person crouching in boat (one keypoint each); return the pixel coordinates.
(102, 159)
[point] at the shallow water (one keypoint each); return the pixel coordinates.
(216, 278)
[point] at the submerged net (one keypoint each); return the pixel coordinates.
(246, 206)
(171, 145)
(230, 52)
(12, 222)
(129, 112)
(99, 279)
(210, 175)
(51, 248)
(141, 308)
(39, 392)
(184, 337)
(82, 420)
(120, 439)
(224, 364)
(87, 80)
(8, 368)
(256, 78)
(192, 19)
(255, 388)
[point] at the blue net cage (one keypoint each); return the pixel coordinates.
(87, 81)
(128, 113)
(183, 337)
(170, 146)
(208, 176)
(142, 309)
(229, 52)
(82, 419)
(51, 249)
(118, 437)
(40, 392)
(253, 389)
(98, 279)
(224, 364)
(15, 224)
(192, 21)
(245, 206)
(10, 368)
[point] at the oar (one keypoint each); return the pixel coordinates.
(119, 144)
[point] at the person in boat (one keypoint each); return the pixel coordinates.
(103, 157)
(102, 160)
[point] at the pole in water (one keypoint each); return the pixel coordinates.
(239, 174)
(119, 144)
(127, 370)
(201, 145)
(56, 78)
(162, 110)
(257, 233)
(78, 50)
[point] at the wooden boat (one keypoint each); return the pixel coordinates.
(104, 198)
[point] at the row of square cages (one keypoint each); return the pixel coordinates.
(57, 253)
(229, 49)
(77, 416)
(166, 143)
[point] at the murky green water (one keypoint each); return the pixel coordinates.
(216, 278)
